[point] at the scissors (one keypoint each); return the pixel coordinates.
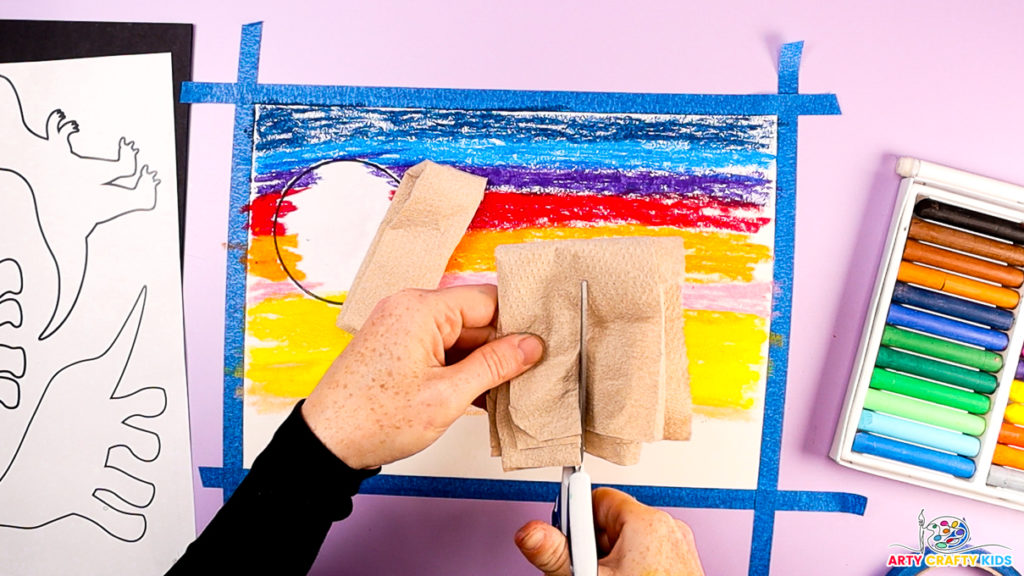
(574, 507)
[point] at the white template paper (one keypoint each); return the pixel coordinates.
(95, 464)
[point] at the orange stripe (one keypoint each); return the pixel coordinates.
(711, 256)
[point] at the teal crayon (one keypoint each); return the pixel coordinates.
(935, 370)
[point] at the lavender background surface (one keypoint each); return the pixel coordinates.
(933, 79)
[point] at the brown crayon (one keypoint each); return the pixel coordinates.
(953, 284)
(966, 242)
(967, 265)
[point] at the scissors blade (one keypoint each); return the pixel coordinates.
(583, 368)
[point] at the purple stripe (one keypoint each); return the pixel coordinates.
(720, 186)
(274, 182)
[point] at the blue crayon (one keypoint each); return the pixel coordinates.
(914, 455)
(910, 431)
(952, 329)
(952, 306)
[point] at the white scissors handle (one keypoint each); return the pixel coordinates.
(582, 541)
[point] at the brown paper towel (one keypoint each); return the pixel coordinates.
(427, 218)
(636, 356)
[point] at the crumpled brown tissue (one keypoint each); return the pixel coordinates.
(638, 386)
(427, 218)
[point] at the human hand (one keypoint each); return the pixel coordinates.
(391, 393)
(634, 539)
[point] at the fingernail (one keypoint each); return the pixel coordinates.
(530, 539)
(531, 348)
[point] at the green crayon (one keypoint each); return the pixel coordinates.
(922, 389)
(935, 370)
(920, 411)
(941, 349)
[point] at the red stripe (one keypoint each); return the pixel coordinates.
(512, 210)
(261, 212)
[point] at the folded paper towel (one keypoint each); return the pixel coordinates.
(427, 218)
(638, 383)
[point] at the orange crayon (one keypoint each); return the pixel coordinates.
(1008, 456)
(958, 285)
(1011, 435)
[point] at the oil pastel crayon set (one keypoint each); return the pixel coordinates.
(936, 396)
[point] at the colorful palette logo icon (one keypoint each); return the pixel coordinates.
(947, 534)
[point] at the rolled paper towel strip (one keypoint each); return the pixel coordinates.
(427, 218)
(915, 455)
(960, 308)
(932, 392)
(947, 328)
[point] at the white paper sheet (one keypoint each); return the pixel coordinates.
(95, 464)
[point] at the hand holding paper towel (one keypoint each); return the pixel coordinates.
(638, 382)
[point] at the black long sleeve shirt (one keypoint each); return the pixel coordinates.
(277, 519)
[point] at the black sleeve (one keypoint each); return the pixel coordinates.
(278, 517)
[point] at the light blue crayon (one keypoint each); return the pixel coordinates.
(890, 449)
(917, 433)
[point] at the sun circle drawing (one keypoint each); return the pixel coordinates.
(329, 210)
(947, 534)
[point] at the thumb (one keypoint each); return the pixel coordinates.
(496, 362)
(544, 547)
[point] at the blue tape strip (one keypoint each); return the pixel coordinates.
(604, 102)
(522, 491)
(233, 472)
(789, 67)
(778, 339)
(787, 106)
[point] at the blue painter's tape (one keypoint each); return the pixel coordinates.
(789, 67)
(602, 102)
(522, 491)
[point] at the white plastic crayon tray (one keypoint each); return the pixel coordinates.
(924, 180)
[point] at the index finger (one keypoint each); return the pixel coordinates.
(467, 306)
